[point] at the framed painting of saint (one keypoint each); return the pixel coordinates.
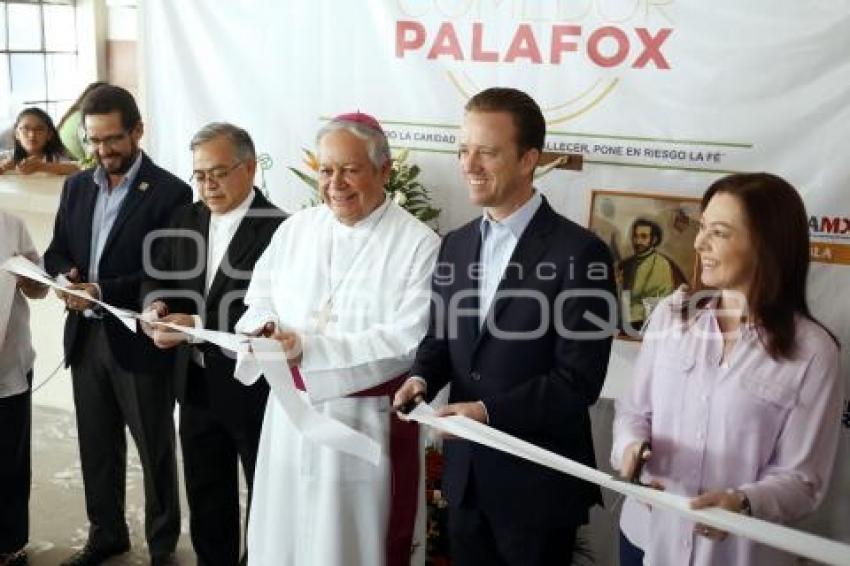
(651, 237)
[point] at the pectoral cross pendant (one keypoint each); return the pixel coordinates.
(323, 317)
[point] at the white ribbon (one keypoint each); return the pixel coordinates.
(314, 425)
(779, 536)
(329, 432)
(235, 343)
(317, 427)
(20, 265)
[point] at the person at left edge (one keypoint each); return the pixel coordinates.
(16, 372)
(103, 219)
(218, 239)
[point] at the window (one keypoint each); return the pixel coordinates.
(38, 55)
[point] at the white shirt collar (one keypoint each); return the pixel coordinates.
(234, 215)
(367, 222)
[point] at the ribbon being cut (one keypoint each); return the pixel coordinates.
(334, 434)
(267, 353)
(20, 265)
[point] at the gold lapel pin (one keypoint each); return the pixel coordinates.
(143, 186)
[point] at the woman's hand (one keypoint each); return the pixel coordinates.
(631, 457)
(29, 165)
(6, 164)
(730, 499)
(634, 456)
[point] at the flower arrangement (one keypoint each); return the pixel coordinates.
(437, 519)
(403, 185)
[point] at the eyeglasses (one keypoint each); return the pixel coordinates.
(217, 174)
(108, 141)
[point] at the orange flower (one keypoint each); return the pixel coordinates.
(310, 160)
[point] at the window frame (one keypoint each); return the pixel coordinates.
(51, 104)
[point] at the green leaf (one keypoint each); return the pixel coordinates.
(428, 214)
(401, 157)
(311, 181)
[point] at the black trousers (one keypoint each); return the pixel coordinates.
(107, 398)
(215, 437)
(630, 555)
(475, 539)
(15, 470)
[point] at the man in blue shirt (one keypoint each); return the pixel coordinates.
(100, 238)
(521, 328)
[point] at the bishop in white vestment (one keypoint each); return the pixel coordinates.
(347, 287)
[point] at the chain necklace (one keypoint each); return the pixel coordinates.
(324, 315)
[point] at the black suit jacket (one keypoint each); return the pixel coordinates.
(219, 308)
(537, 387)
(148, 206)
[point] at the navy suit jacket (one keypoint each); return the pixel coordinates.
(148, 206)
(536, 384)
(220, 307)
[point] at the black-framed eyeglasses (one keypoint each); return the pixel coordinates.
(108, 141)
(217, 174)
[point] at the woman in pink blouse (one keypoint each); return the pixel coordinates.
(736, 386)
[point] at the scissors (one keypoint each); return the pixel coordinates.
(643, 455)
(411, 404)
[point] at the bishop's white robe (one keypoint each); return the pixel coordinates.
(312, 505)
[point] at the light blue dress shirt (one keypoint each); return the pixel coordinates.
(498, 241)
(106, 209)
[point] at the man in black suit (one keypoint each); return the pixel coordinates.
(104, 216)
(202, 274)
(530, 359)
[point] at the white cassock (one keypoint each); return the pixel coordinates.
(312, 505)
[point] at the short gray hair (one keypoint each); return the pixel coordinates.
(243, 146)
(377, 146)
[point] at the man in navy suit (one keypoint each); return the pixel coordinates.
(218, 240)
(99, 243)
(521, 326)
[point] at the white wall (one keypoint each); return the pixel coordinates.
(34, 199)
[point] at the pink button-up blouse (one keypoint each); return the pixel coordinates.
(769, 428)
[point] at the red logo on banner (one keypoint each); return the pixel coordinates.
(594, 43)
(645, 46)
(828, 235)
(827, 225)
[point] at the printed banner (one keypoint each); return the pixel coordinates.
(660, 97)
